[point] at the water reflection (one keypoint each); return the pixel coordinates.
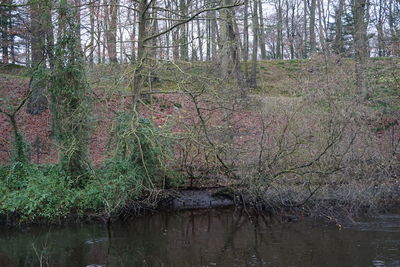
(205, 238)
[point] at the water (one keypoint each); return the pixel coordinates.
(211, 237)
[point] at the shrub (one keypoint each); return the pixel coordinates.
(34, 193)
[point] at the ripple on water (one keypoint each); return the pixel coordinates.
(382, 223)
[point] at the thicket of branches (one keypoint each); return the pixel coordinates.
(291, 152)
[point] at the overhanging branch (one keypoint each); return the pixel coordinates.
(191, 18)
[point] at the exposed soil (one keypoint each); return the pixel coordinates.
(174, 110)
(198, 199)
(37, 129)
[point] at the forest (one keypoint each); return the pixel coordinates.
(110, 107)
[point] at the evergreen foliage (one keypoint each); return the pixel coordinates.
(70, 101)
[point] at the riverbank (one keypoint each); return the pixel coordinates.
(304, 145)
(338, 211)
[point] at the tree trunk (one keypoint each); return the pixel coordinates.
(112, 12)
(175, 38)
(208, 36)
(200, 34)
(99, 35)
(214, 36)
(394, 30)
(70, 99)
(37, 102)
(338, 43)
(230, 61)
(305, 35)
(91, 45)
(279, 38)
(133, 36)
(48, 29)
(313, 41)
(154, 30)
(78, 22)
(292, 33)
(287, 25)
(184, 44)
(360, 10)
(321, 28)
(5, 30)
(245, 50)
(379, 16)
(141, 53)
(253, 79)
(262, 32)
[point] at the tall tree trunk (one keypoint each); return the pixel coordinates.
(184, 44)
(245, 50)
(5, 30)
(292, 32)
(91, 45)
(37, 33)
(253, 79)
(279, 39)
(338, 43)
(141, 53)
(133, 37)
(28, 51)
(230, 60)
(313, 41)
(121, 41)
(12, 35)
(305, 35)
(262, 32)
(48, 29)
(105, 25)
(175, 37)
(208, 35)
(78, 22)
(154, 30)
(394, 30)
(287, 25)
(200, 34)
(70, 99)
(214, 36)
(99, 35)
(321, 28)
(360, 10)
(168, 34)
(379, 16)
(194, 56)
(37, 102)
(112, 30)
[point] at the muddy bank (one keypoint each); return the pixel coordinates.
(197, 199)
(172, 200)
(330, 210)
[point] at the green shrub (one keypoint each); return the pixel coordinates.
(35, 193)
(139, 147)
(135, 169)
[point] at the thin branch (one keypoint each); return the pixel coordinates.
(191, 18)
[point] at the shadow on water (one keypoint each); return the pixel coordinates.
(208, 237)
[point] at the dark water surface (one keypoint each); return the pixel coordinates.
(213, 237)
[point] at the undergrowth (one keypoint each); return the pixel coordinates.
(132, 176)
